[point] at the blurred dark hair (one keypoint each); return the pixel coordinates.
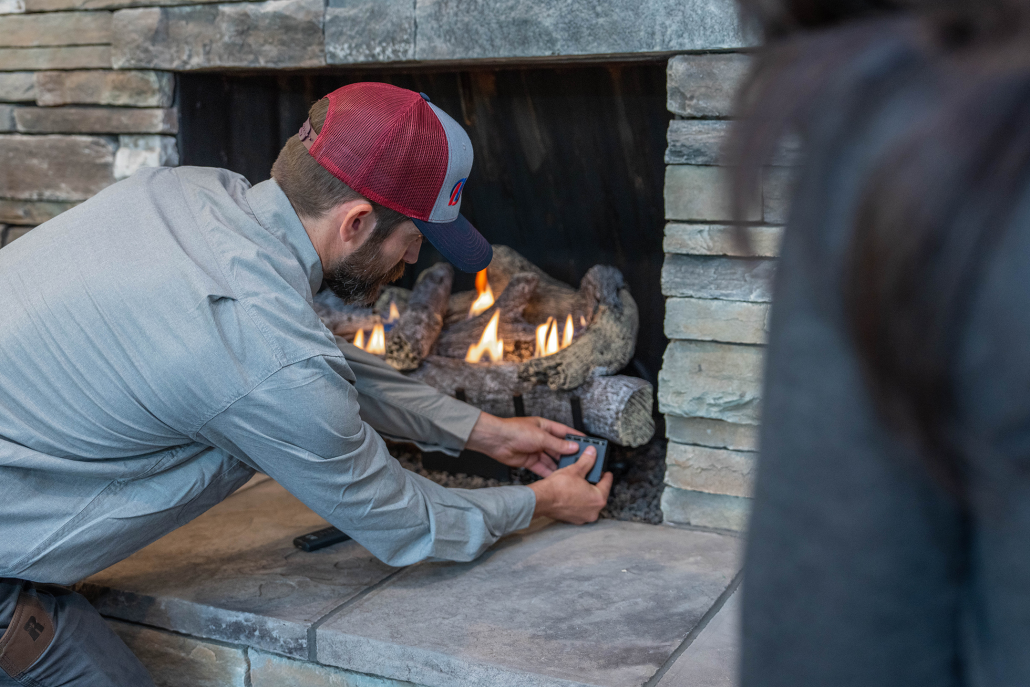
(935, 202)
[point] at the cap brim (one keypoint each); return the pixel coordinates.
(459, 242)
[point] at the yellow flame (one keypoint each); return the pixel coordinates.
(552, 339)
(488, 344)
(541, 338)
(377, 342)
(359, 339)
(395, 314)
(547, 336)
(486, 295)
(582, 321)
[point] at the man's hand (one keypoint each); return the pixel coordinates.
(522, 442)
(566, 495)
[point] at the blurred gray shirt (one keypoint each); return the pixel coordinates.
(158, 346)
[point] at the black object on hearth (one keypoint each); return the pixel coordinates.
(319, 539)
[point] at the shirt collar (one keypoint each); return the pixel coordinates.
(275, 213)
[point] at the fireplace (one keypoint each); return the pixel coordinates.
(597, 129)
(567, 183)
(608, 118)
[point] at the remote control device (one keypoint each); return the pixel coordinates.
(602, 449)
(319, 539)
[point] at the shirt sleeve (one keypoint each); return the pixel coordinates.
(301, 426)
(406, 409)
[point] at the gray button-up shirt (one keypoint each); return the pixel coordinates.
(158, 345)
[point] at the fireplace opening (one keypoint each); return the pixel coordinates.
(569, 170)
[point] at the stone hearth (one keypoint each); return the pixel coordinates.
(227, 600)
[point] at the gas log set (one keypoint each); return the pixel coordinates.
(540, 347)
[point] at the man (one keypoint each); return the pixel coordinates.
(159, 346)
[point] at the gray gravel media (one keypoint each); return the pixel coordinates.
(636, 493)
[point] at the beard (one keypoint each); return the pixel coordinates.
(358, 278)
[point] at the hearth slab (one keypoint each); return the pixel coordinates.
(605, 604)
(234, 575)
(711, 659)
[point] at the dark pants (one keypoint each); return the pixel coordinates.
(57, 638)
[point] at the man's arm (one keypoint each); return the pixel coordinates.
(403, 408)
(301, 427)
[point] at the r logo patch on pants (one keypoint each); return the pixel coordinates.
(34, 628)
(30, 633)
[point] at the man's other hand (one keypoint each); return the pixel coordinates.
(566, 495)
(522, 442)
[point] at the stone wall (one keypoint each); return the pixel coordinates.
(717, 305)
(87, 86)
(178, 660)
(87, 97)
(70, 124)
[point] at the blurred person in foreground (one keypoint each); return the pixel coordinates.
(890, 539)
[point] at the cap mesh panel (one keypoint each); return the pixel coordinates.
(385, 143)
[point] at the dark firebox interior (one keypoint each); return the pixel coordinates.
(568, 160)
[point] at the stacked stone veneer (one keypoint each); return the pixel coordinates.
(70, 125)
(177, 660)
(87, 97)
(717, 305)
(86, 86)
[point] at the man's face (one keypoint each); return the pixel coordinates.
(357, 278)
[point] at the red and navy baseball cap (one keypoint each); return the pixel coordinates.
(396, 148)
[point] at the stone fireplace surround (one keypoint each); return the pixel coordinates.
(87, 96)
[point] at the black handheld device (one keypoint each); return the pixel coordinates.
(599, 465)
(319, 539)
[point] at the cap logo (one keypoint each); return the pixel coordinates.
(306, 134)
(456, 192)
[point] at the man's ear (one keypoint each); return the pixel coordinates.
(356, 222)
